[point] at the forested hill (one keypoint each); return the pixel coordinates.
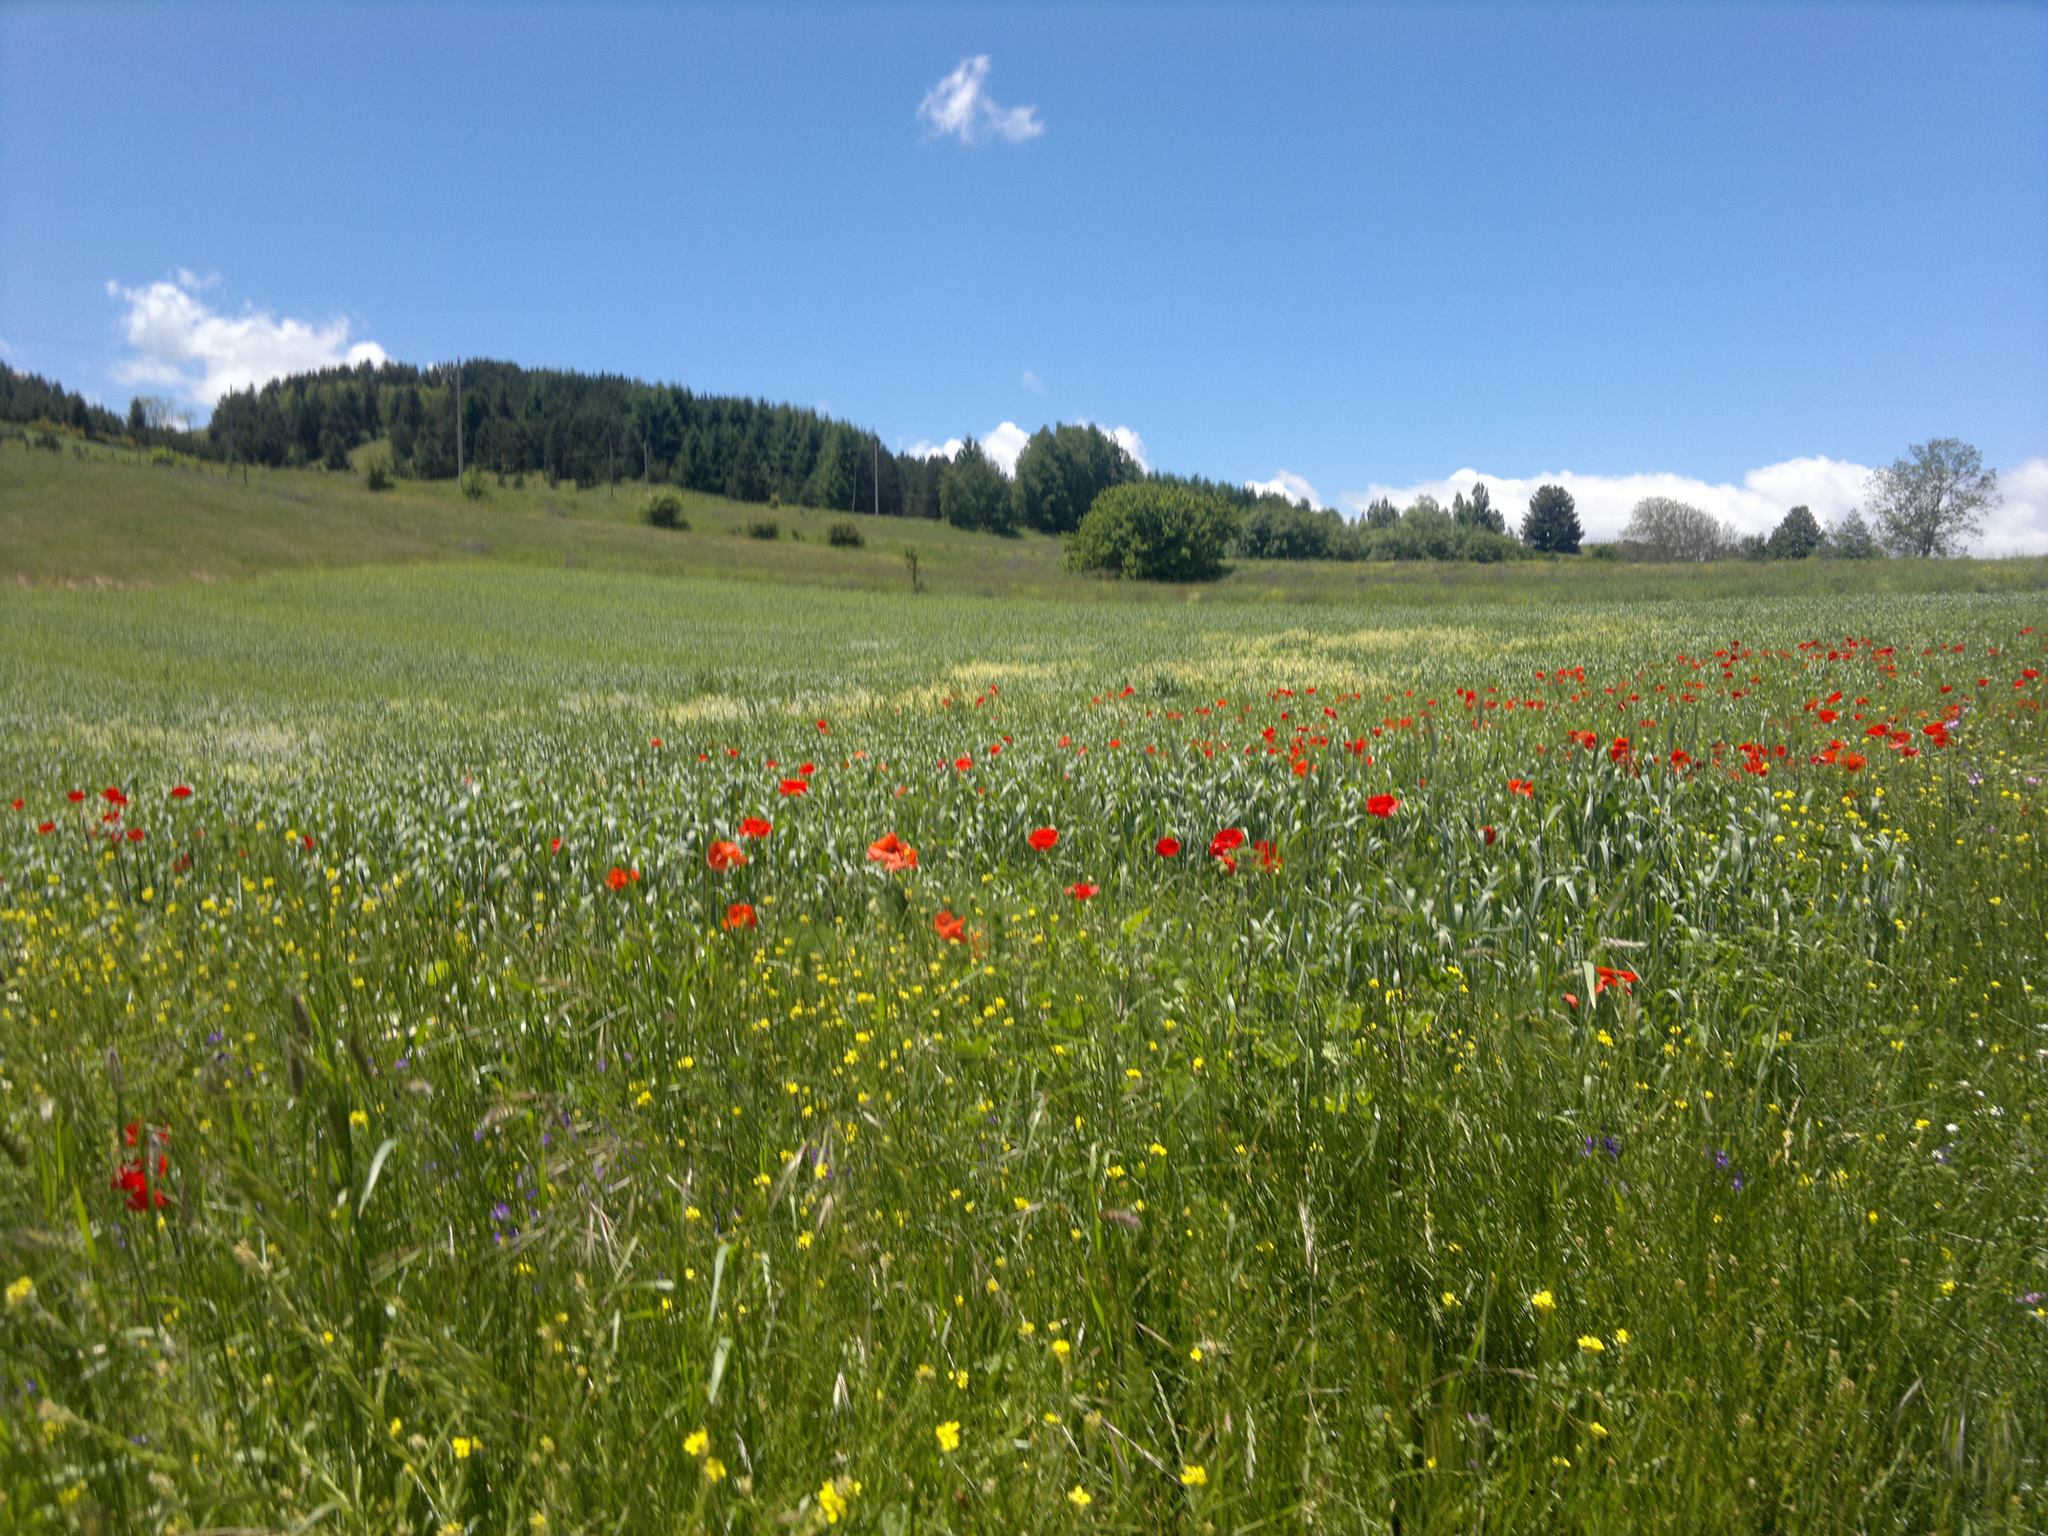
(584, 428)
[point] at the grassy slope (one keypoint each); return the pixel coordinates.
(106, 519)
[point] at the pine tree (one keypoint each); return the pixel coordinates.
(1552, 525)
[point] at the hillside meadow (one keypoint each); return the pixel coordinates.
(514, 1021)
(92, 515)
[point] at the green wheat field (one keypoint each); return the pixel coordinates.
(513, 1022)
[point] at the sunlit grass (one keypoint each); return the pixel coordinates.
(502, 1193)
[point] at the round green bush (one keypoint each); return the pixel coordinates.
(665, 510)
(1151, 532)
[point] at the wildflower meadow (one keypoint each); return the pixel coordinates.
(488, 1050)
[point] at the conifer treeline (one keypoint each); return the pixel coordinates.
(27, 398)
(584, 428)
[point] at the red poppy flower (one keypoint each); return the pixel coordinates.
(795, 787)
(740, 915)
(806, 769)
(1487, 834)
(1617, 751)
(1044, 838)
(1382, 806)
(962, 764)
(182, 792)
(1269, 856)
(655, 742)
(113, 796)
(18, 804)
(75, 796)
(1524, 787)
(1167, 847)
(822, 726)
(722, 856)
(554, 845)
(950, 928)
(892, 853)
(134, 1179)
(1082, 891)
(1607, 978)
(1571, 1000)
(618, 879)
(45, 828)
(136, 834)
(1680, 758)
(1852, 761)
(1227, 841)
(755, 826)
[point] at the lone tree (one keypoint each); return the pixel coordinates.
(1928, 503)
(1552, 523)
(1661, 528)
(1796, 537)
(1850, 538)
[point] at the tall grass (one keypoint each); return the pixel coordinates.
(515, 1183)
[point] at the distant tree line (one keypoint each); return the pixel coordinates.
(592, 429)
(27, 398)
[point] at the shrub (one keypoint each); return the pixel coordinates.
(845, 534)
(379, 478)
(1146, 531)
(473, 483)
(665, 510)
(764, 528)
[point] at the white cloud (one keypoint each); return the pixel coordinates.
(2020, 526)
(1004, 444)
(1830, 487)
(1288, 484)
(179, 342)
(5, 350)
(960, 107)
(1131, 443)
(1033, 382)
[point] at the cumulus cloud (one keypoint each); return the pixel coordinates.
(178, 342)
(1830, 487)
(1004, 444)
(1131, 443)
(2020, 525)
(1286, 483)
(960, 107)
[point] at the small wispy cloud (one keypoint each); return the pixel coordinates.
(960, 107)
(1033, 382)
(177, 341)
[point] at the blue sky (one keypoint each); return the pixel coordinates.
(1368, 248)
